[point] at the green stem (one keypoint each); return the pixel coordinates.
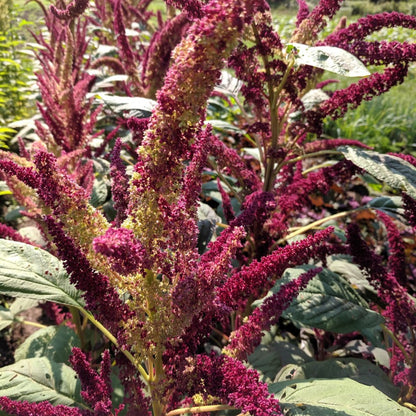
(397, 343)
(35, 324)
(314, 154)
(200, 409)
(312, 225)
(113, 339)
(224, 179)
(77, 321)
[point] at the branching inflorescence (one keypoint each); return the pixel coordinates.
(144, 278)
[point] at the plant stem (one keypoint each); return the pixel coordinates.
(397, 343)
(200, 409)
(77, 321)
(113, 339)
(314, 224)
(35, 324)
(314, 154)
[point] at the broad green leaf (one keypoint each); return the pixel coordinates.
(138, 106)
(30, 272)
(53, 342)
(357, 369)
(207, 222)
(99, 192)
(221, 125)
(329, 58)
(389, 169)
(336, 397)
(343, 265)
(313, 98)
(229, 85)
(23, 304)
(328, 303)
(6, 317)
(40, 379)
(269, 359)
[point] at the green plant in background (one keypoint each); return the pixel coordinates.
(15, 70)
(386, 123)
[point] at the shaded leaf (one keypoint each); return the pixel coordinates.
(99, 192)
(269, 359)
(6, 317)
(207, 222)
(328, 303)
(53, 342)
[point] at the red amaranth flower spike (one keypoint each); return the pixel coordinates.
(261, 274)
(99, 295)
(17, 408)
(397, 258)
(410, 209)
(124, 252)
(10, 234)
(95, 388)
(74, 9)
(248, 336)
(119, 184)
(230, 381)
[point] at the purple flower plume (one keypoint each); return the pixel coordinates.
(248, 336)
(325, 144)
(228, 159)
(17, 408)
(100, 296)
(365, 89)
(119, 184)
(400, 311)
(10, 234)
(125, 253)
(157, 57)
(316, 20)
(397, 258)
(410, 209)
(260, 274)
(303, 12)
(96, 388)
(230, 381)
(125, 50)
(74, 9)
(192, 7)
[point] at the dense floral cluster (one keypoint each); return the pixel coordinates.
(176, 300)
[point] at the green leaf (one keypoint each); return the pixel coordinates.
(392, 170)
(40, 379)
(229, 85)
(53, 342)
(357, 369)
(336, 397)
(6, 317)
(99, 192)
(328, 303)
(207, 222)
(30, 272)
(224, 126)
(269, 359)
(9, 316)
(329, 58)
